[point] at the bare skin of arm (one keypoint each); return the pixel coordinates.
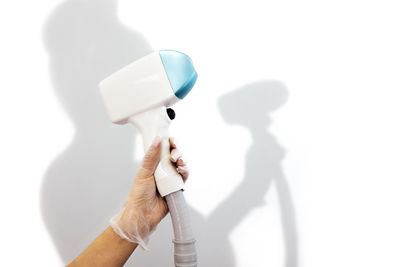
(110, 249)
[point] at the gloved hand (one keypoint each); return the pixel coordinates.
(145, 208)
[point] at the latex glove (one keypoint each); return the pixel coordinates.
(145, 208)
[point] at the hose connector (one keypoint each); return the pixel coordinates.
(185, 253)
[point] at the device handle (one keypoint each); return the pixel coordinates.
(152, 123)
(167, 178)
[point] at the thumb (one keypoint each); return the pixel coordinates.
(152, 157)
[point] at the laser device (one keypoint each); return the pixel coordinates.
(141, 93)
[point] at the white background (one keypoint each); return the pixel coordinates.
(338, 62)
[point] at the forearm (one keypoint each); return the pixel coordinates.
(108, 249)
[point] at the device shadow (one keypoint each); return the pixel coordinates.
(250, 106)
(88, 182)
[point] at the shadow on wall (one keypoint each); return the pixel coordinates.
(87, 184)
(250, 106)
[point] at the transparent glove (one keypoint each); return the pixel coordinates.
(145, 208)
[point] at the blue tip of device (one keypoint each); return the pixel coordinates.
(180, 71)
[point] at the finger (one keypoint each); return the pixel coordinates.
(184, 172)
(180, 162)
(152, 157)
(172, 143)
(175, 154)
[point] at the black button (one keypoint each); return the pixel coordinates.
(171, 113)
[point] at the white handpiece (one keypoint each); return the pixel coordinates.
(139, 93)
(152, 123)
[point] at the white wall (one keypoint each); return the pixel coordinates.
(291, 131)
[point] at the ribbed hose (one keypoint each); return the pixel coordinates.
(184, 243)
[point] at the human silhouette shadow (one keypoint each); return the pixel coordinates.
(88, 182)
(250, 106)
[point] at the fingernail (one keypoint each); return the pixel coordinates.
(175, 155)
(156, 141)
(183, 168)
(175, 141)
(183, 160)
